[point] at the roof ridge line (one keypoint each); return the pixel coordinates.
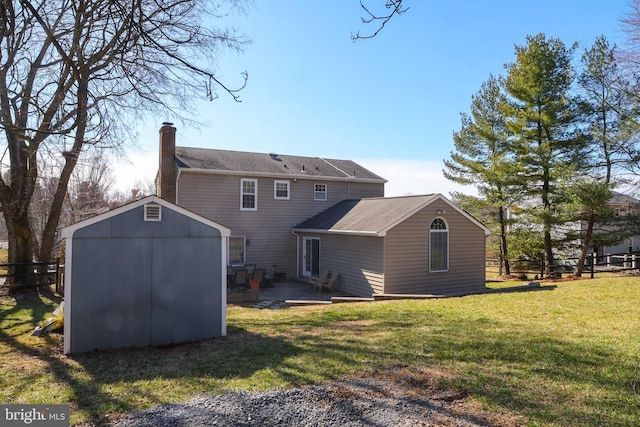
(335, 167)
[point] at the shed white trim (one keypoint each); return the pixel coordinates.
(67, 232)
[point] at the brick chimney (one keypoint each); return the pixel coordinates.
(168, 169)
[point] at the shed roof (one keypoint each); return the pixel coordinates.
(247, 163)
(373, 216)
(67, 232)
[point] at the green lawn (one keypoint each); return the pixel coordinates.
(567, 354)
(4, 256)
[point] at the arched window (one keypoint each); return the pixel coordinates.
(438, 245)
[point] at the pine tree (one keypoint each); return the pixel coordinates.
(547, 142)
(609, 110)
(482, 158)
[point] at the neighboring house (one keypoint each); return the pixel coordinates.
(146, 273)
(623, 205)
(270, 202)
(398, 245)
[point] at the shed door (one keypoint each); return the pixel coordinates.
(311, 257)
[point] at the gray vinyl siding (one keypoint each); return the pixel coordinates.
(268, 229)
(407, 255)
(358, 261)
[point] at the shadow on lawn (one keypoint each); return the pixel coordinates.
(104, 382)
(551, 379)
(533, 371)
(118, 379)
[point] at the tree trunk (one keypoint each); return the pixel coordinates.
(547, 220)
(586, 242)
(504, 251)
(15, 199)
(20, 249)
(71, 159)
(548, 251)
(55, 211)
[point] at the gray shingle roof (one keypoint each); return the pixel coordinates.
(372, 216)
(227, 161)
(618, 198)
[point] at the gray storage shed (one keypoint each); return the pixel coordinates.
(147, 273)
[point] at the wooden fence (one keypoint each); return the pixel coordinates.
(594, 263)
(44, 273)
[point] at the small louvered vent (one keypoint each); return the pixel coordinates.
(152, 213)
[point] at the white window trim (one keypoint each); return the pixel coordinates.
(255, 194)
(448, 247)
(326, 192)
(275, 189)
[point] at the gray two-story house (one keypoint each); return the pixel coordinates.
(260, 196)
(307, 214)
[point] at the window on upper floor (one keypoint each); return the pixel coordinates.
(281, 190)
(319, 191)
(438, 245)
(248, 194)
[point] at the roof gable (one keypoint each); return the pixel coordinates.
(374, 216)
(246, 163)
(67, 232)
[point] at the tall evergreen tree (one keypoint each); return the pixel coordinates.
(610, 112)
(542, 117)
(482, 158)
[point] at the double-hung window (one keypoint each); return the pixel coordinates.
(438, 245)
(319, 191)
(281, 190)
(248, 194)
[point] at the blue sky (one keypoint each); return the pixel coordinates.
(391, 103)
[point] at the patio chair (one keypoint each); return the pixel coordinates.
(324, 276)
(327, 283)
(241, 278)
(249, 268)
(231, 277)
(269, 276)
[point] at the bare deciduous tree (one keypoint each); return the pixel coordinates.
(89, 189)
(78, 73)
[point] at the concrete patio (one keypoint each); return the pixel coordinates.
(298, 293)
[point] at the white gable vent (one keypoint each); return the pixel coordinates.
(152, 212)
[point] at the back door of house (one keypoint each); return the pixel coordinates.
(311, 257)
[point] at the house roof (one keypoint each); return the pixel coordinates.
(272, 164)
(373, 216)
(622, 199)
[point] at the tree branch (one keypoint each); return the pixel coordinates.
(394, 7)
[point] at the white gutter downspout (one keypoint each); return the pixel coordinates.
(297, 253)
(178, 185)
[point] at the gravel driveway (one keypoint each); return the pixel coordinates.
(396, 397)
